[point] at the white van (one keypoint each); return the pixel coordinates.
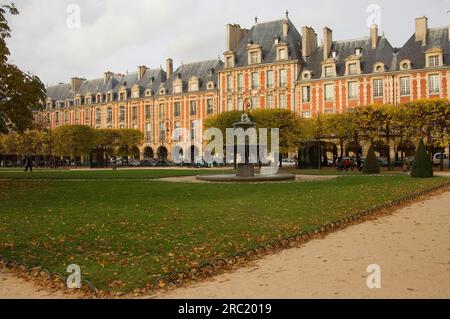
(437, 159)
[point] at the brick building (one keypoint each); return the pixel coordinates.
(273, 65)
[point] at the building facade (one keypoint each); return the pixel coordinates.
(270, 65)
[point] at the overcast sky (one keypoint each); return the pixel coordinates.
(118, 35)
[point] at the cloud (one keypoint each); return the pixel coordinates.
(118, 35)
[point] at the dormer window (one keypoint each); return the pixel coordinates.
(254, 58)
(254, 54)
(379, 67)
(230, 63)
(177, 88)
(433, 61)
(434, 58)
(282, 51)
(352, 69)
(358, 51)
(210, 85)
(148, 92)
(162, 91)
(306, 75)
(405, 64)
(334, 54)
(193, 84)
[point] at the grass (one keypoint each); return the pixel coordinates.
(125, 234)
(106, 174)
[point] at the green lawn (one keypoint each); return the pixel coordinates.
(106, 174)
(124, 234)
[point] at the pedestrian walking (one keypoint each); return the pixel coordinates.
(114, 164)
(28, 164)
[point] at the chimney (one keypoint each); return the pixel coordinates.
(374, 36)
(75, 84)
(107, 76)
(309, 41)
(285, 28)
(234, 35)
(327, 42)
(169, 67)
(448, 14)
(141, 71)
(422, 30)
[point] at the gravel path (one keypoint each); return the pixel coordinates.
(412, 247)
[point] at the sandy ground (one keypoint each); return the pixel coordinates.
(298, 178)
(412, 247)
(14, 287)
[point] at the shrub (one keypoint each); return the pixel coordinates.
(371, 165)
(422, 166)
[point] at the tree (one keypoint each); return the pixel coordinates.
(342, 126)
(371, 165)
(129, 139)
(74, 140)
(20, 93)
(422, 166)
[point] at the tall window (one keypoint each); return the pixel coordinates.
(177, 132)
(270, 79)
(98, 115)
(66, 117)
(57, 118)
(134, 113)
(122, 114)
(110, 115)
(434, 83)
(209, 106)
(283, 103)
(193, 130)
(162, 131)
(177, 109)
(229, 104)
(240, 81)
(162, 111)
(229, 83)
(147, 112)
(353, 90)
(87, 115)
(269, 103)
(433, 61)
(193, 107)
(378, 88)
(306, 114)
(77, 115)
(255, 80)
(255, 102)
(147, 133)
(405, 85)
(306, 94)
(283, 77)
(329, 92)
(240, 101)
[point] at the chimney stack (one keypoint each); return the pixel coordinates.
(141, 71)
(374, 35)
(75, 83)
(169, 67)
(448, 14)
(327, 42)
(309, 41)
(422, 30)
(107, 76)
(285, 28)
(234, 35)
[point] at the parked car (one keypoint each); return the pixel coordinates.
(134, 163)
(201, 164)
(382, 161)
(437, 159)
(148, 162)
(288, 163)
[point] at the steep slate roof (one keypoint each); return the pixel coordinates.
(265, 34)
(152, 79)
(201, 70)
(384, 52)
(415, 52)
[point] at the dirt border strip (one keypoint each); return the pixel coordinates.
(45, 279)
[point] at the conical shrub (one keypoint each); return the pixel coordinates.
(371, 165)
(422, 166)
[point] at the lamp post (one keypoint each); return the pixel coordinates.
(49, 128)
